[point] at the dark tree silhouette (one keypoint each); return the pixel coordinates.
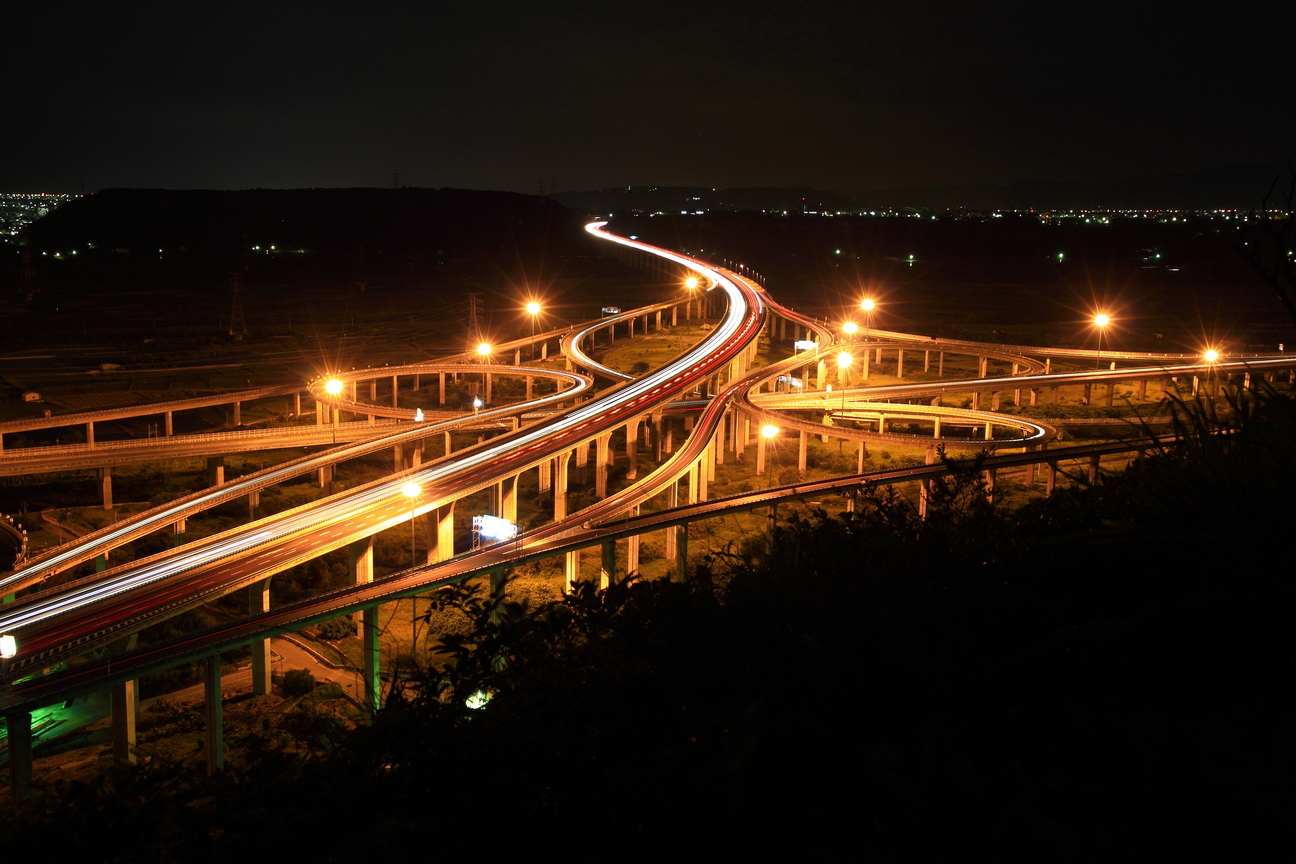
(1267, 240)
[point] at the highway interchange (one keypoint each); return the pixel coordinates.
(67, 620)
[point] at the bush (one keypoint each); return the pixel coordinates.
(336, 628)
(298, 682)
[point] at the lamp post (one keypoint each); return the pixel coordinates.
(843, 363)
(334, 388)
(1100, 321)
(412, 492)
(533, 309)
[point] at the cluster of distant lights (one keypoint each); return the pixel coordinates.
(1102, 216)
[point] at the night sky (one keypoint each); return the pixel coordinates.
(504, 95)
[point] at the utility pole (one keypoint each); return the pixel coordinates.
(237, 328)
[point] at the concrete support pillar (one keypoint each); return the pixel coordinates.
(508, 498)
(936, 433)
(680, 572)
(994, 401)
(989, 432)
(582, 460)
(924, 486)
(170, 424)
(395, 392)
(1050, 477)
(19, 734)
(416, 382)
(990, 484)
(861, 454)
(940, 365)
(370, 663)
(607, 564)
(489, 382)
(976, 400)
(105, 487)
(899, 362)
(927, 361)
(530, 387)
(258, 595)
(632, 447)
(632, 548)
(214, 712)
(254, 504)
(326, 476)
(820, 379)
(373, 391)
(216, 470)
(603, 461)
(760, 454)
(571, 570)
(125, 711)
(441, 388)
(545, 481)
(803, 446)
(864, 366)
(440, 533)
(674, 316)
(1093, 468)
(560, 485)
(89, 436)
(1088, 394)
(1034, 395)
(238, 414)
(1142, 390)
(983, 367)
(1111, 392)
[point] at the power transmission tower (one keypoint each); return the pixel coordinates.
(474, 319)
(28, 287)
(237, 329)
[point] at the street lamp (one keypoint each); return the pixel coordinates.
(334, 388)
(477, 404)
(412, 492)
(691, 282)
(867, 306)
(1211, 355)
(843, 363)
(484, 351)
(533, 309)
(849, 328)
(8, 647)
(1100, 321)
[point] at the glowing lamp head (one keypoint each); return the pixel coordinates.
(843, 360)
(333, 387)
(533, 308)
(1211, 355)
(1101, 320)
(850, 327)
(691, 282)
(769, 431)
(411, 490)
(8, 647)
(868, 305)
(484, 349)
(477, 403)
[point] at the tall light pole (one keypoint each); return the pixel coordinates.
(533, 309)
(334, 388)
(867, 306)
(412, 492)
(1100, 321)
(843, 364)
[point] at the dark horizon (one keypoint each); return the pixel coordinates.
(527, 99)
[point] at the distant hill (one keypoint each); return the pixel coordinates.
(387, 221)
(1228, 186)
(627, 200)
